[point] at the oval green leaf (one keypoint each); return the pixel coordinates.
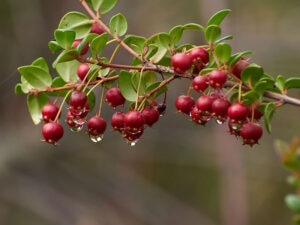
(98, 44)
(212, 33)
(269, 111)
(41, 63)
(68, 70)
(35, 104)
(293, 82)
(223, 52)
(252, 73)
(64, 38)
(126, 87)
(118, 25)
(218, 17)
(107, 5)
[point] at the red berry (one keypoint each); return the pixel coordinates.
(200, 83)
(117, 121)
(219, 109)
(204, 104)
(199, 55)
(237, 69)
(96, 126)
(114, 97)
(49, 112)
(151, 115)
(85, 48)
(132, 138)
(198, 116)
(217, 79)
(237, 112)
(184, 104)
(96, 29)
(254, 113)
(181, 62)
(251, 133)
(82, 70)
(75, 124)
(52, 132)
(134, 121)
(78, 100)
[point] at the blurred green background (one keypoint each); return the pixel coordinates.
(178, 173)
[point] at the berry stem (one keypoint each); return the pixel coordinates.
(61, 105)
(101, 102)
(138, 89)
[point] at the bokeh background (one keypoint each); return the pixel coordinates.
(178, 173)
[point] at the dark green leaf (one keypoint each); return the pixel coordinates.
(118, 25)
(252, 74)
(212, 33)
(98, 44)
(36, 77)
(126, 87)
(251, 97)
(54, 46)
(268, 115)
(223, 52)
(41, 63)
(65, 56)
(77, 22)
(35, 104)
(68, 70)
(218, 17)
(293, 82)
(293, 202)
(64, 38)
(18, 89)
(107, 5)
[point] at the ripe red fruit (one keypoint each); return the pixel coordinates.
(204, 104)
(184, 104)
(82, 70)
(52, 132)
(254, 113)
(134, 121)
(181, 62)
(96, 126)
(217, 79)
(237, 69)
(49, 112)
(85, 48)
(151, 115)
(251, 133)
(237, 112)
(114, 97)
(198, 116)
(117, 121)
(96, 29)
(219, 109)
(199, 55)
(200, 83)
(78, 100)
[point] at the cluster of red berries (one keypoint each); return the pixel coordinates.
(212, 103)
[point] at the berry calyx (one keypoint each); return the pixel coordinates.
(181, 62)
(84, 49)
(237, 112)
(184, 104)
(114, 97)
(52, 132)
(151, 115)
(251, 133)
(49, 112)
(82, 70)
(200, 83)
(238, 68)
(96, 126)
(217, 79)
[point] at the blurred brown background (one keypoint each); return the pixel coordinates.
(179, 173)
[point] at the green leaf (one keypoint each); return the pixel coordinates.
(162, 42)
(236, 57)
(91, 98)
(54, 47)
(175, 34)
(98, 44)
(64, 38)
(268, 115)
(118, 25)
(65, 56)
(68, 70)
(126, 87)
(77, 22)
(96, 4)
(18, 89)
(26, 87)
(41, 63)
(137, 43)
(193, 26)
(293, 82)
(148, 78)
(218, 17)
(212, 33)
(157, 93)
(251, 74)
(223, 52)
(250, 97)
(35, 104)
(280, 82)
(58, 82)
(36, 77)
(228, 37)
(107, 5)
(293, 202)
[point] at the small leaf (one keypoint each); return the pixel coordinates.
(137, 43)
(96, 4)
(268, 115)
(236, 57)
(35, 104)
(157, 93)
(193, 26)
(159, 54)
(175, 34)
(41, 63)
(64, 38)
(77, 22)
(250, 97)
(280, 82)
(252, 73)
(228, 37)
(107, 5)
(218, 17)
(223, 52)
(54, 47)
(68, 70)
(65, 56)
(212, 33)
(18, 89)
(36, 77)
(293, 82)
(98, 44)
(293, 202)
(126, 87)
(118, 25)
